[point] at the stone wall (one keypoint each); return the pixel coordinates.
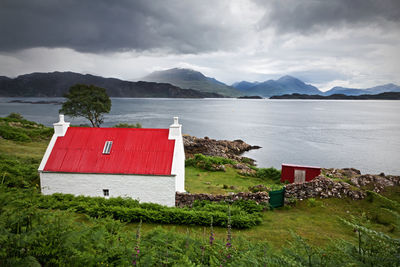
(322, 187)
(187, 199)
(378, 182)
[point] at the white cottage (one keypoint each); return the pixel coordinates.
(144, 164)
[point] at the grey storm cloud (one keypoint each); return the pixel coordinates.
(107, 26)
(307, 16)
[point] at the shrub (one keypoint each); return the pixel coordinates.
(258, 188)
(18, 172)
(14, 115)
(269, 173)
(11, 133)
(21, 130)
(128, 210)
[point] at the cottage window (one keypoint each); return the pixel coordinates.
(106, 192)
(107, 147)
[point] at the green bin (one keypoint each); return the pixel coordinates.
(277, 198)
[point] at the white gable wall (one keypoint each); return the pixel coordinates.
(178, 161)
(145, 188)
(178, 165)
(60, 129)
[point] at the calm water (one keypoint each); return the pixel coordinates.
(360, 134)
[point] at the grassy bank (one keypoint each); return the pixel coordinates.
(320, 222)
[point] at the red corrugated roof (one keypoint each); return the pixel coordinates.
(134, 151)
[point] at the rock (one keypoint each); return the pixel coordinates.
(259, 188)
(221, 148)
(321, 187)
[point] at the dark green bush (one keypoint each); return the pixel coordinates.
(18, 172)
(14, 115)
(14, 134)
(248, 206)
(269, 173)
(244, 213)
(38, 237)
(21, 130)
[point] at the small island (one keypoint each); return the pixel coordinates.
(381, 96)
(250, 97)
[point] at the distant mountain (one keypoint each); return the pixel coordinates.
(390, 87)
(381, 96)
(56, 84)
(244, 85)
(190, 79)
(284, 85)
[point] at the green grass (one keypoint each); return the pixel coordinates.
(319, 223)
(28, 149)
(201, 181)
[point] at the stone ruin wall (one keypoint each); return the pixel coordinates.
(187, 199)
(322, 187)
(319, 187)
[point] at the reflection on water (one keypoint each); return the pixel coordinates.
(359, 134)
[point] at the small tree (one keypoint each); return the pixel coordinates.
(87, 101)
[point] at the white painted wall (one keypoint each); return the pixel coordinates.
(178, 162)
(60, 129)
(154, 189)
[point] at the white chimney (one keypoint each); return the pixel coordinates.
(175, 130)
(60, 128)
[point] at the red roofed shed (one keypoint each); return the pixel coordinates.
(298, 173)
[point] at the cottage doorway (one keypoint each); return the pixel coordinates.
(299, 176)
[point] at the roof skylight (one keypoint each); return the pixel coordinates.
(107, 147)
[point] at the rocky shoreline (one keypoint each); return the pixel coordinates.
(332, 183)
(219, 148)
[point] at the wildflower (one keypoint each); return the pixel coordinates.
(229, 237)
(211, 232)
(135, 256)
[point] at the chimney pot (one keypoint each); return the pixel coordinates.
(175, 130)
(60, 128)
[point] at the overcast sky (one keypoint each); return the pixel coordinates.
(352, 43)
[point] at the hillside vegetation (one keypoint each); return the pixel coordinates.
(56, 84)
(63, 230)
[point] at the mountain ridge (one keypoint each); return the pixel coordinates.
(56, 84)
(380, 96)
(284, 85)
(389, 87)
(191, 79)
(291, 85)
